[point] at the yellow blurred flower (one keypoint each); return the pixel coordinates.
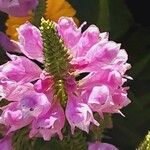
(55, 9)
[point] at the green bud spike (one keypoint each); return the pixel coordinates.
(56, 57)
(145, 145)
(39, 12)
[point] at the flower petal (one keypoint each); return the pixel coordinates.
(30, 41)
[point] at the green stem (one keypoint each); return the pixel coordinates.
(98, 132)
(39, 13)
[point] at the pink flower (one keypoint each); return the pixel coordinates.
(20, 69)
(13, 118)
(44, 83)
(36, 96)
(68, 31)
(7, 44)
(103, 53)
(91, 46)
(89, 37)
(21, 113)
(34, 104)
(32, 48)
(103, 100)
(79, 114)
(100, 98)
(49, 124)
(101, 146)
(13, 91)
(17, 7)
(6, 143)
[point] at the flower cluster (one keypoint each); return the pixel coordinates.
(43, 100)
(92, 52)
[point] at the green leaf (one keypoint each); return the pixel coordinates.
(77, 141)
(86, 10)
(144, 100)
(138, 45)
(69, 142)
(104, 15)
(114, 17)
(53, 144)
(139, 66)
(110, 15)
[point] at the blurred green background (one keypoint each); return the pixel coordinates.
(128, 22)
